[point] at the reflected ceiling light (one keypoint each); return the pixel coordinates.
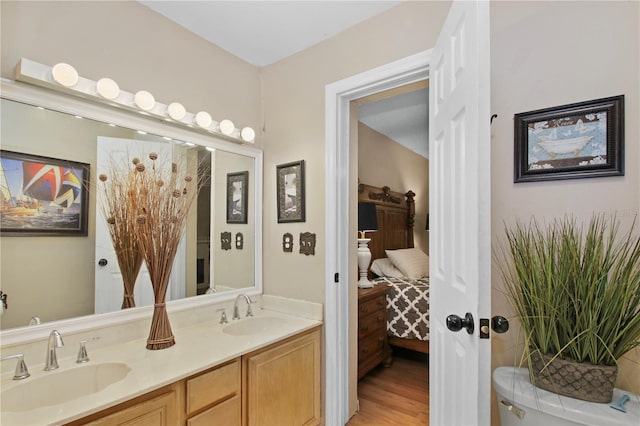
(107, 88)
(247, 134)
(79, 117)
(211, 149)
(65, 74)
(176, 111)
(112, 125)
(203, 119)
(144, 100)
(166, 138)
(227, 127)
(189, 144)
(40, 107)
(142, 132)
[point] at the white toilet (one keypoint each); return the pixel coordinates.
(523, 404)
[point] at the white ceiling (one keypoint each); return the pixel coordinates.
(264, 32)
(403, 118)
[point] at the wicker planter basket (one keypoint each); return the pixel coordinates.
(575, 379)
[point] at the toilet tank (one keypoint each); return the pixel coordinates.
(541, 407)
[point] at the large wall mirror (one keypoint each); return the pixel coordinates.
(57, 277)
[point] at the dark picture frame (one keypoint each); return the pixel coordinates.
(43, 196)
(290, 188)
(237, 197)
(580, 140)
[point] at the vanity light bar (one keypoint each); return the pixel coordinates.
(64, 78)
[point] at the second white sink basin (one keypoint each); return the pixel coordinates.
(253, 325)
(62, 386)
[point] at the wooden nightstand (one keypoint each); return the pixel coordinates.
(372, 329)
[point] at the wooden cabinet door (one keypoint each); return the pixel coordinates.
(157, 411)
(282, 383)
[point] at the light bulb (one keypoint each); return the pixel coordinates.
(227, 127)
(247, 134)
(107, 88)
(144, 100)
(176, 111)
(65, 74)
(203, 119)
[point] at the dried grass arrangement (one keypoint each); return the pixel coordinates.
(118, 215)
(576, 293)
(158, 195)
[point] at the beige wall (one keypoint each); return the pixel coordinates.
(232, 268)
(546, 54)
(382, 161)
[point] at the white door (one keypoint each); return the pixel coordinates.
(460, 276)
(108, 279)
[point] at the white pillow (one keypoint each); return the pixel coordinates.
(413, 263)
(383, 267)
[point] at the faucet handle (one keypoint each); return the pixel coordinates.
(249, 310)
(22, 372)
(82, 353)
(223, 317)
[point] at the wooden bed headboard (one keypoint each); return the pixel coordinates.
(395, 214)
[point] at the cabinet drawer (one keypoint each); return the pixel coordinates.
(226, 413)
(213, 386)
(372, 323)
(371, 344)
(376, 304)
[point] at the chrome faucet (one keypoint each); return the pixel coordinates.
(21, 367)
(236, 311)
(55, 341)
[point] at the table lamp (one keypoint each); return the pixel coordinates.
(367, 222)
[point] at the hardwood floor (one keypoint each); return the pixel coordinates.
(398, 395)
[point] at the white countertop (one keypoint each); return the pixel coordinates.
(198, 347)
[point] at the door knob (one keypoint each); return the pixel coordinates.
(102, 262)
(455, 323)
(499, 324)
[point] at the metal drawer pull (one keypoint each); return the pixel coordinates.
(518, 412)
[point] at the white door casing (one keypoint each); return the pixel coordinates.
(459, 178)
(108, 279)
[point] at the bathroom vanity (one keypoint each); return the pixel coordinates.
(257, 370)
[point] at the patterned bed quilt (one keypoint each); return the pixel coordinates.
(407, 307)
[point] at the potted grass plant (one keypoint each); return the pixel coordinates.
(576, 293)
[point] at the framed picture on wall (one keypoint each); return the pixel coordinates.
(42, 196)
(573, 141)
(237, 197)
(290, 187)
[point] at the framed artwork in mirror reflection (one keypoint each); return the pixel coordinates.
(42, 196)
(290, 188)
(237, 197)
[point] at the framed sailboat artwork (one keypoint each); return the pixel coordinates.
(42, 196)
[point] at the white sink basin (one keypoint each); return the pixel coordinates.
(60, 386)
(253, 325)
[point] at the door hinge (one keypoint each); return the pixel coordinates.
(336, 277)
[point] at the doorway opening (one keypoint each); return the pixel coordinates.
(341, 219)
(392, 320)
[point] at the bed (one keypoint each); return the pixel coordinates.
(391, 246)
